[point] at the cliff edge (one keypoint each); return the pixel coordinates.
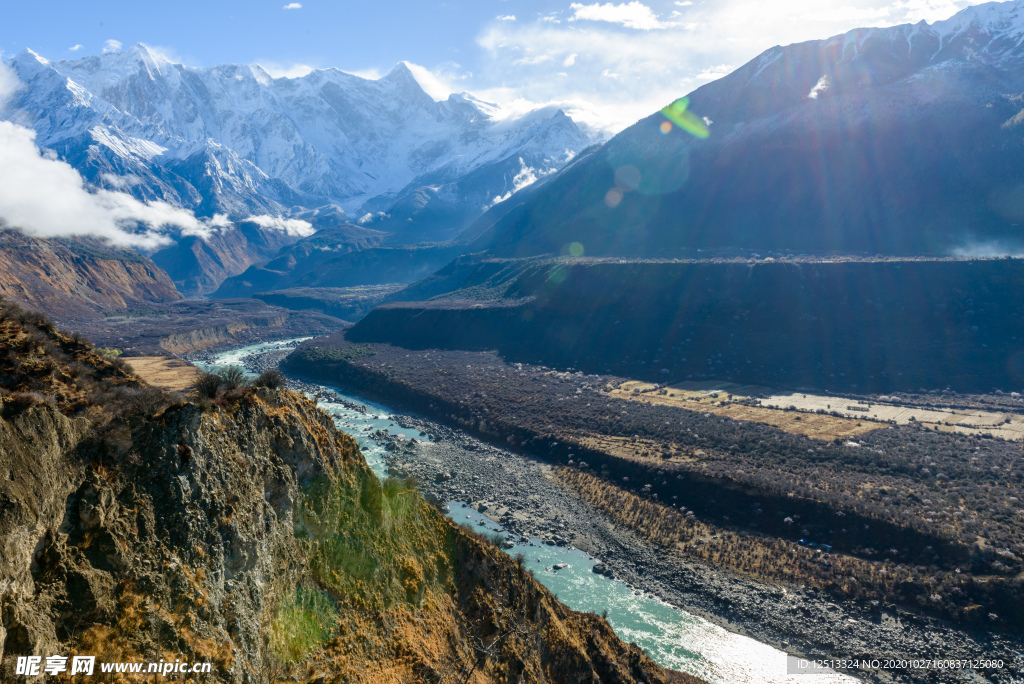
(247, 533)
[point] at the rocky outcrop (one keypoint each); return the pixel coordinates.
(188, 530)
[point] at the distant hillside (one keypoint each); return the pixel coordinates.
(380, 266)
(199, 265)
(294, 261)
(868, 325)
(78, 278)
(902, 141)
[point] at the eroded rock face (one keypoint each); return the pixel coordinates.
(176, 540)
(37, 474)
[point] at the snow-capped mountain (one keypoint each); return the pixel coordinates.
(234, 140)
(899, 140)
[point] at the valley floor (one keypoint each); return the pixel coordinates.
(529, 497)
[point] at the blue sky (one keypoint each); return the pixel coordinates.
(606, 63)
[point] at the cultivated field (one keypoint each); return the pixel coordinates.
(966, 421)
(160, 371)
(815, 415)
(720, 400)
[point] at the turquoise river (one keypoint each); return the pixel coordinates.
(672, 637)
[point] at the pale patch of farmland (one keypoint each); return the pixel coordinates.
(968, 421)
(816, 415)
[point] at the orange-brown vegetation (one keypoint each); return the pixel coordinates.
(247, 532)
(76, 278)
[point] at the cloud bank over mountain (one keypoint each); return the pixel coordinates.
(47, 197)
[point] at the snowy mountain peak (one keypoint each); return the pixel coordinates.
(29, 54)
(400, 73)
(1006, 18)
(232, 139)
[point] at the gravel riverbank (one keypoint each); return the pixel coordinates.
(519, 493)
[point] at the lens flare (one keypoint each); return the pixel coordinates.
(613, 197)
(678, 114)
(666, 127)
(576, 249)
(627, 178)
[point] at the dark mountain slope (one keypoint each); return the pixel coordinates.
(296, 260)
(865, 325)
(904, 140)
(199, 265)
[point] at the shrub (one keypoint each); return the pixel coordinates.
(19, 401)
(141, 400)
(233, 377)
(209, 385)
(271, 379)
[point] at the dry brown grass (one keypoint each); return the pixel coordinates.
(169, 374)
(798, 412)
(762, 557)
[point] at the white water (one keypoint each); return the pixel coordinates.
(672, 637)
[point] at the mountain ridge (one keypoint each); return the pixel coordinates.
(896, 140)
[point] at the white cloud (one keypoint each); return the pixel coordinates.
(507, 17)
(75, 48)
(819, 87)
(527, 176)
(120, 182)
(634, 15)
(285, 225)
(369, 217)
(928, 10)
(687, 3)
(286, 71)
(111, 45)
(570, 60)
(48, 198)
(292, 5)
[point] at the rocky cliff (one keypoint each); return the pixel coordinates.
(248, 533)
